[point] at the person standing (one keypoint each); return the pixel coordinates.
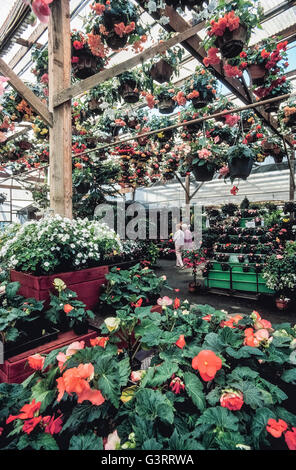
(179, 245)
(187, 237)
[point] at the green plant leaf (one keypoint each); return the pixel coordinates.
(87, 441)
(194, 389)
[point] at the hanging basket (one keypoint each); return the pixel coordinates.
(232, 43)
(116, 42)
(193, 128)
(132, 123)
(128, 93)
(240, 168)
(291, 121)
(161, 71)
(82, 188)
(278, 158)
(203, 173)
(85, 67)
(198, 103)
(164, 136)
(94, 106)
(166, 106)
(257, 74)
(143, 140)
(271, 107)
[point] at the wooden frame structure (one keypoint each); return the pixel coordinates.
(58, 115)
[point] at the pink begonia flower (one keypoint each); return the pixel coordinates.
(137, 375)
(231, 120)
(41, 9)
(113, 441)
(74, 347)
(204, 153)
(224, 171)
(164, 301)
(261, 334)
(3, 137)
(2, 81)
(258, 325)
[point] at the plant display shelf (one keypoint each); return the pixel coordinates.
(235, 279)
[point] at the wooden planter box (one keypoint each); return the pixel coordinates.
(16, 370)
(86, 283)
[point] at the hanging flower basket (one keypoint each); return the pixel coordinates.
(128, 92)
(166, 106)
(86, 65)
(240, 167)
(198, 103)
(94, 105)
(232, 43)
(270, 107)
(257, 73)
(116, 42)
(164, 136)
(291, 121)
(161, 71)
(278, 158)
(203, 173)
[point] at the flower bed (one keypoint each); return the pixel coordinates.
(215, 382)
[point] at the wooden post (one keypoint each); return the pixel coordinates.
(60, 137)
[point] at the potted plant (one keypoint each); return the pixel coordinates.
(206, 159)
(193, 259)
(99, 98)
(130, 85)
(267, 58)
(287, 114)
(162, 66)
(221, 103)
(240, 161)
(84, 62)
(230, 28)
(200, 88)
(116, 24)
(164, 95)
(189, 114)
(51, 248)
(279, 274)
(159, 122)
(274, 85)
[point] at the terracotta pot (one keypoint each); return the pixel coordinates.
(161, 71)
(166, 106)
(232, 43)
(257, 73)
(282, 304)
(192, 287)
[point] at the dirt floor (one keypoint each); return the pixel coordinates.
(179, 279)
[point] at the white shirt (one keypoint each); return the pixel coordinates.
(179, 237)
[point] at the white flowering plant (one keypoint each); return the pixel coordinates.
(57, 244)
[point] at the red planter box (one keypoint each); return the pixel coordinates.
(16, 370)
(86, 283)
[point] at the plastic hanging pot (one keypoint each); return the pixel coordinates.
(166, 106)
(161, 71)
(197, 103)
(240, 167)
(291, 122)
(94, 106)
(85, 67)
(203, 173)
(278, 158)
(116, 42)
(232, 43)
(128, 93)
(257, 73)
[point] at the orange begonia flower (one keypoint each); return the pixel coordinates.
(276, 428)
(207, 363)
(181, 342)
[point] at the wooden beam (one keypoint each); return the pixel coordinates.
(60, 135)
(100, 77)
(26, 93)
(18, 134)
(28, 44)
(37, 33)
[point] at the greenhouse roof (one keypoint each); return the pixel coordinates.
(280, 19)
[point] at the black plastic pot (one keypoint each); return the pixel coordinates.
(128, 93)
(86, 66)
(240, 167)
(28, 344)
(232, 43)
(203, 173)
(161, 71)
(116, 42)
(81, 328)
(166, 106)
(198, 103)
